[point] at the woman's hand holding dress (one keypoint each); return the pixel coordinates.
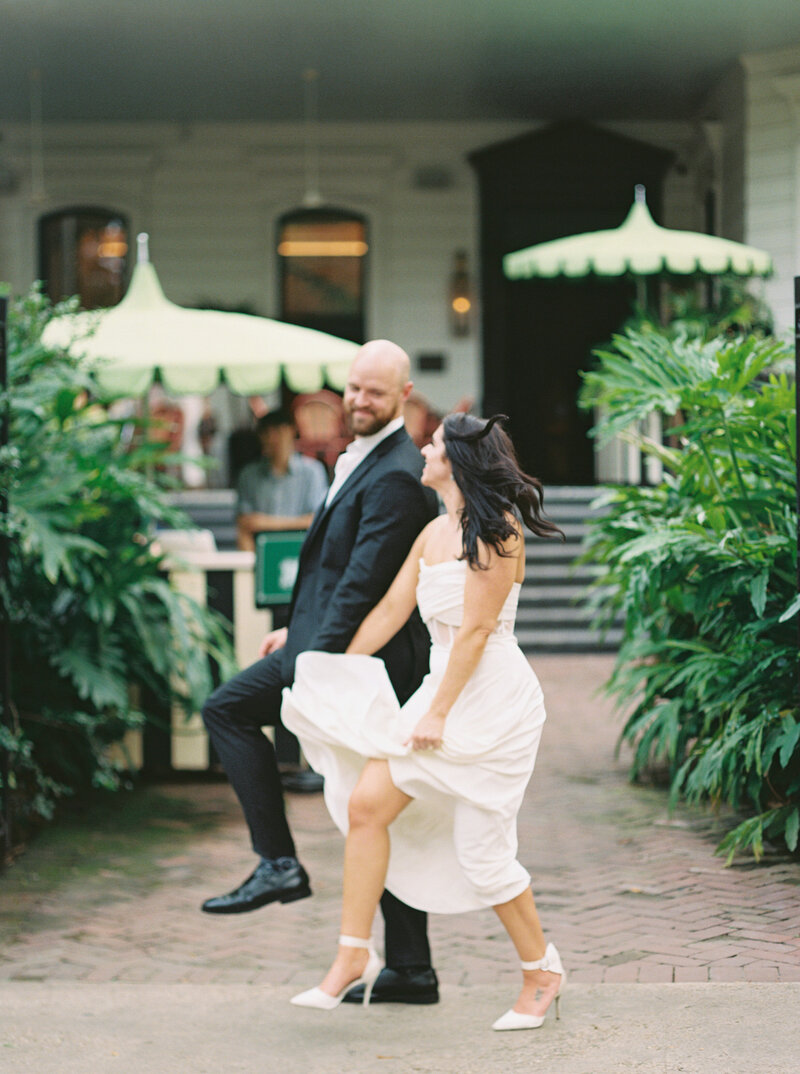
(428, 733)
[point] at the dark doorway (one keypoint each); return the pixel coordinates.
(553, 326)
(539, 334)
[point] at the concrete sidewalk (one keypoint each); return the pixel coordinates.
(675, 962)
(227, 1029)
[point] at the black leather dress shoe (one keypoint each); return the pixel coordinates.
(406, 985)
(303, 782)
(274, 880)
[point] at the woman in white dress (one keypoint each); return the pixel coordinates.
(428, 794)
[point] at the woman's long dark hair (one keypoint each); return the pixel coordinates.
(492, 483)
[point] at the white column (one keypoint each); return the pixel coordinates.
(788, 87)
(619, 462)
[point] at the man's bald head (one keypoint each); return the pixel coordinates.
(377, 386)
(384, 356)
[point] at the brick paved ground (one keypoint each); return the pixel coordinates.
(627, 892)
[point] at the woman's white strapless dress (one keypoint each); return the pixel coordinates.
(454, 847)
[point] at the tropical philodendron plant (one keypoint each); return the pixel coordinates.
(702, 570)
(91, 612)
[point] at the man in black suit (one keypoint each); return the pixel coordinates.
(355, 545)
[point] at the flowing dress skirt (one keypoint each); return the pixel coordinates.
(454, 847)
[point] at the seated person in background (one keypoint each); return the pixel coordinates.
(282, 489)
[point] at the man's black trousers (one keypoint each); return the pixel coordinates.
(234, 715)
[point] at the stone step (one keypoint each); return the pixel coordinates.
(570, 615)
(552, 552)
(555, 596)
(571, 493)
(210, 509)
(561, 514)
(574, 531)
(564, 573)
(566, 640)
(553, 613)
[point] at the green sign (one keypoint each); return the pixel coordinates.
(277, 560)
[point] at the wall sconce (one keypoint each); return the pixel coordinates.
(460, 296)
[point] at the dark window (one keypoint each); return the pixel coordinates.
(84, 251)
(322, 261)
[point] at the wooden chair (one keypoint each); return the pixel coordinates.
(319, 417)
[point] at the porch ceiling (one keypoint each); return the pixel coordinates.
(219, 60)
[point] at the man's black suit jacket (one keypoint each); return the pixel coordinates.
(352, 552)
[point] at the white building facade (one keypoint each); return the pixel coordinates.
(210, 197)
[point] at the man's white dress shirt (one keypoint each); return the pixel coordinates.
(355, 453)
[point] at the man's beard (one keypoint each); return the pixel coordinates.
(367, 426)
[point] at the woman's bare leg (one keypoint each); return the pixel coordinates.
(374, 804)
(521, 921)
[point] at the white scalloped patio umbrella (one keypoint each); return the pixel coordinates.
(147, 337)
(638, 247)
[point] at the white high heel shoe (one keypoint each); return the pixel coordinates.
(323, 1001)
(515, 1019)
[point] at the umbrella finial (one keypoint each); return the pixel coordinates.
(142, 248)
(639, 194)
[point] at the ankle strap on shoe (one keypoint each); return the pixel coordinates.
(538, 965)
(355, 941)
(543, 963)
